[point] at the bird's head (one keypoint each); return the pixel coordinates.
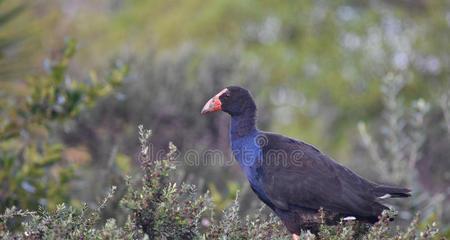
(232, 100)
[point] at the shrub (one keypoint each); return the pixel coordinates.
(31, 170)
(159, 208)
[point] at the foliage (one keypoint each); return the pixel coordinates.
(327, 58)
(32, 172)
(315, 68)
(404, 134)
(8, 15)
(158, 208)
(24, 34)
(398, 145)
(255, 226)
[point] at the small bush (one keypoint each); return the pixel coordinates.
(32, 170)
(159, 208)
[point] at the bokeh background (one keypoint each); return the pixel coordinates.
(367, 82)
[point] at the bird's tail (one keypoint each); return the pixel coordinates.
(383, 192)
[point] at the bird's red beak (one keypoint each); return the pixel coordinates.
(214, 104)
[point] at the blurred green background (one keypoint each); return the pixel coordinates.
(368, 82)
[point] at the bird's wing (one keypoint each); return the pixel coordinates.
(295, 174)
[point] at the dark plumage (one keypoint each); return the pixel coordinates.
(294, 178)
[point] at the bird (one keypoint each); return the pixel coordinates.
(293, 178)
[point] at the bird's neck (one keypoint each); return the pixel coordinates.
(243, 125)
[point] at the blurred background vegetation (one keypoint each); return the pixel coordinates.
(368, 82)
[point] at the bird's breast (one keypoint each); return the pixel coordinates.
(249, 156)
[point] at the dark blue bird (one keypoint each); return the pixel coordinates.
(294, 178)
